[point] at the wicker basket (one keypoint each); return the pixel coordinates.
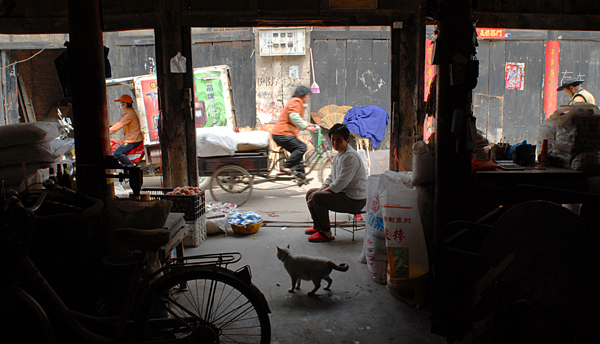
(244, 230)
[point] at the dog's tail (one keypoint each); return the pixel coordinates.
(341, 267)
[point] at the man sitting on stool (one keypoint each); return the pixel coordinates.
(344, 191)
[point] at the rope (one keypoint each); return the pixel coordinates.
(27, 59)
(397, 161)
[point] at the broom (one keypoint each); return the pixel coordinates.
(314, 88)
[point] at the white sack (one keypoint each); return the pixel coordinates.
(49, 151)
(258, 138)
(374, 252)
(215, 141)
(13, 174)
(405, 240)
(422, 163)
(27, 133)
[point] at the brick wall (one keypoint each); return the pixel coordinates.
(40, 79)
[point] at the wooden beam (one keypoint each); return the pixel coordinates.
(90, 116)
(454, 46)
(175, 105)
(405, 102)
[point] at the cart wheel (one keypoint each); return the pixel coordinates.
(325, 170)
(231, 184)
(203, 182)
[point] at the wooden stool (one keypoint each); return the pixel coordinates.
(355, 218)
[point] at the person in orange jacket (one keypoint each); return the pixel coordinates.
(288, 125)
(132, 132)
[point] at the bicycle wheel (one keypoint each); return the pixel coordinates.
(231, 184)
(26, 322)
(213, 307)
(325, 170)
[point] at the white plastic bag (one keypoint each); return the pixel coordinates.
(380, 161)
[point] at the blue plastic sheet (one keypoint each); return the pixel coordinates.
(244, 219)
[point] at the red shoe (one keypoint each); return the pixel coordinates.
(319, 237)
(310, 231)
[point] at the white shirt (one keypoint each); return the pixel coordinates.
(348, 175)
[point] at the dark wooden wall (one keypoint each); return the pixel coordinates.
(9, 109)
(352, 68)
(514, 115)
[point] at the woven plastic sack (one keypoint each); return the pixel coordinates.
(374, 253)
(408, 262)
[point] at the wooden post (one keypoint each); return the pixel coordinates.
(90, 117)
(178, 148)
(454, 45)
(405, 102)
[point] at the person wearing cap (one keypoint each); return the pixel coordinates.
(577, 94)
(132, 132)
(288, 125)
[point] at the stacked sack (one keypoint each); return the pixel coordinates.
(571, 130)
(32, 145)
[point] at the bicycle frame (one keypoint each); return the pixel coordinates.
(124, 321)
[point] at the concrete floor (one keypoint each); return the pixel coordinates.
(355, 310)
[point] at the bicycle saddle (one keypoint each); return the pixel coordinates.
(143, 239)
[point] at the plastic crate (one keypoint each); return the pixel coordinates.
(192, 206)
(196, 232)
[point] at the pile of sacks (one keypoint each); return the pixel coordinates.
(572, 134)
(27, 150)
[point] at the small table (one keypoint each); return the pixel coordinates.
(176, 224)
(492, 186)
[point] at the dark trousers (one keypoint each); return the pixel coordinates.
(293, 145)
(324, 201)
(121, 152)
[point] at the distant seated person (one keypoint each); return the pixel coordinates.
(575, 91)
(288, 125)
(132, 133)
(344, 191)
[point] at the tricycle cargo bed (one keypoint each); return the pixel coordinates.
(254, 162)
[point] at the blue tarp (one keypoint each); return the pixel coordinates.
(368, 121)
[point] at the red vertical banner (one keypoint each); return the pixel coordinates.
(429, 68)
(551, 77)
(150, 93)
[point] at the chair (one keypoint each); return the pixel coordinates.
(356, 217)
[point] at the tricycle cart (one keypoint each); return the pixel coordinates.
(232, 177)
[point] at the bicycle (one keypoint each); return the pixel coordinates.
(196, 298)
(232, 177)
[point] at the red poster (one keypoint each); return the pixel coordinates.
(551, 77)
(429, 68)
(515, 75)
(150, 94)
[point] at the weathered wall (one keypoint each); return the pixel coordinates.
(276, 79)
(40, 79)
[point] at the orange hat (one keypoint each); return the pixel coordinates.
(125, 98)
